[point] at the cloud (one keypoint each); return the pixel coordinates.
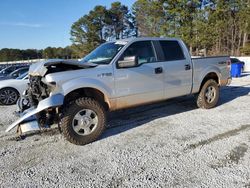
(22, 24)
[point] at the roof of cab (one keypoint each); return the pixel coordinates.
(145, 38)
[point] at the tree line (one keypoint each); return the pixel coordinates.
(208, 27)
(214, 27)
(8, 54)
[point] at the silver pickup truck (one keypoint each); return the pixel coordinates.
(76, 95)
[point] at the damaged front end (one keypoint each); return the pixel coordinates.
(44, 104)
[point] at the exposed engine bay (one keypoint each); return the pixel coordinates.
(38, 89)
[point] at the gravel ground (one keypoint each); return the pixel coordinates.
(170, 144)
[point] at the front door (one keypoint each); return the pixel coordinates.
(142, 83)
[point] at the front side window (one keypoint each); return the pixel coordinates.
(142, 51)
(103, 54)
(172, 50)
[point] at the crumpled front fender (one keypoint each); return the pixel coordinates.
(50, 102)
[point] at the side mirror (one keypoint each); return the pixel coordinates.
(129, 61)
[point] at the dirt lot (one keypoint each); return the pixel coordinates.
(171, 144)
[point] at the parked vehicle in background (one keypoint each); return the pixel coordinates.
(2, 67)
(12, 89)
(116, 75)
(16, 73)
(7, 70)
(237, 61)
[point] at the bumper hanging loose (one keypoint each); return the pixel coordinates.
(28, 121)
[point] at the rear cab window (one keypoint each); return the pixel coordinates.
(172, 51)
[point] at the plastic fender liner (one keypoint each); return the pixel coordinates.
(53, 101)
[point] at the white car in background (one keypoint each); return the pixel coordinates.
(12, 89)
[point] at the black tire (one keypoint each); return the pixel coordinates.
(72, 110)
(8, 96)
(202, 99)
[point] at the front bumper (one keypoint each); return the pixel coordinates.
(226, 82)
(50, 102)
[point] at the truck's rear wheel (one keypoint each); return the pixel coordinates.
(83, 121)
(208, 95)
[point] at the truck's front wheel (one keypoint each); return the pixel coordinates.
(83, 121)
(208, 95)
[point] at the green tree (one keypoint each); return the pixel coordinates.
(119, 21)
(150, 17)
(86, 33)
(49, 53)
(99, 25)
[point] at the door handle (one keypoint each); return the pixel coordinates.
(158, 70)
(187, 67)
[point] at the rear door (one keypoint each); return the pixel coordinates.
(177, 69)
(142, 83)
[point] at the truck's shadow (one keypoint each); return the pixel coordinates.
(124, 120)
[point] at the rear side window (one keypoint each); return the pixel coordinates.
(172, 50)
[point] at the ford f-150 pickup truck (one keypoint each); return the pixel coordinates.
(76, 95)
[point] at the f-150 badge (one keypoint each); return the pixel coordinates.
(104, 74)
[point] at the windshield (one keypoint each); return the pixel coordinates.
(22, 76)
(103, 54)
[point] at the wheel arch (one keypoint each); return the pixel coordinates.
(91, 92)
(210, 75)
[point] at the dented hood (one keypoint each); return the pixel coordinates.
(40, 68)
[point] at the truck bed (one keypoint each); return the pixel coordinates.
(203, 65)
